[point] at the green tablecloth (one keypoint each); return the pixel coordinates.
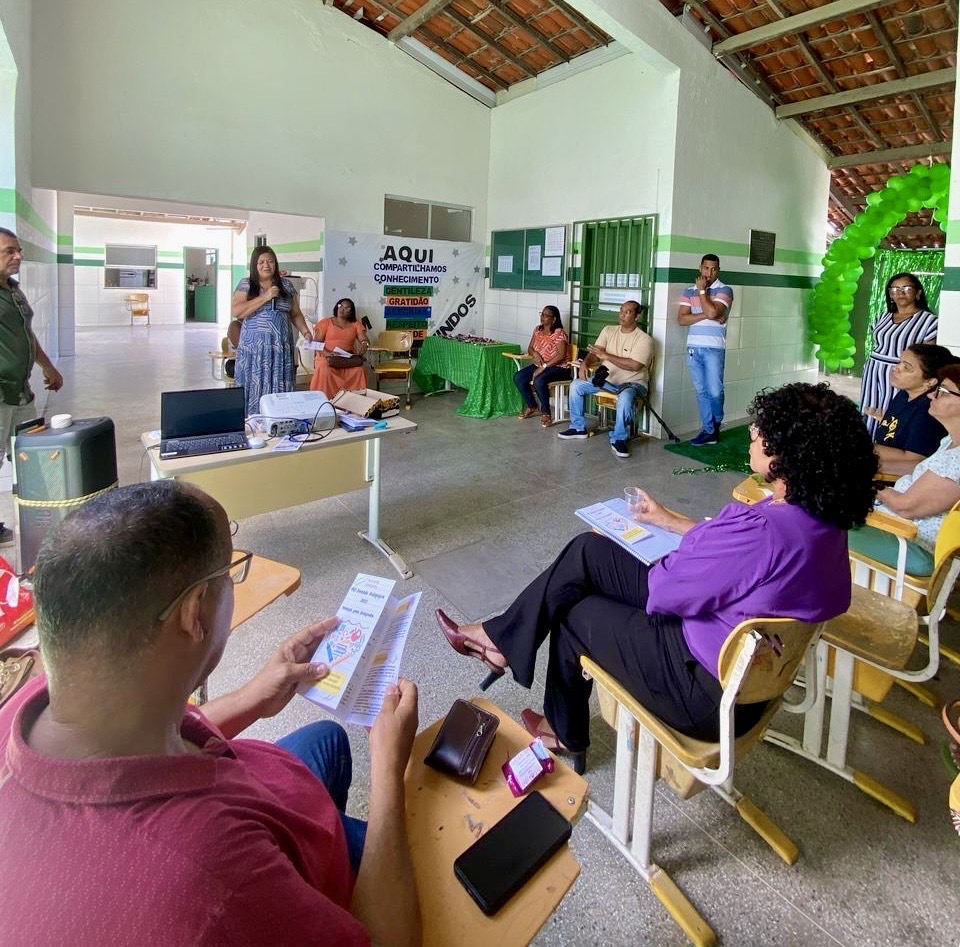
(481, 369)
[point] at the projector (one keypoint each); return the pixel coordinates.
(312, 409)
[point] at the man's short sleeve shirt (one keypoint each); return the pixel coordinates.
(237, 843)
(18, 348)
(636, 345)
(707, 332)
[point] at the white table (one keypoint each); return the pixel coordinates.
(249, 482)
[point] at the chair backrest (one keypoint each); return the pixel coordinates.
(573, 352)
(946, 554)
(137, 298)
(781, 646)
(233, 332)
(396, 341)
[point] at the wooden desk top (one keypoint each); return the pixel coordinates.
(338, 436)
(446, 816)
(266, 581)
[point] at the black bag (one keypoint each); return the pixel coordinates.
(599, 378)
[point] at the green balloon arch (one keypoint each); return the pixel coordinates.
(829, 314)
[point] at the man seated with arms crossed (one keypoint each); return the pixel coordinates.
(126, 818)
(624, 350)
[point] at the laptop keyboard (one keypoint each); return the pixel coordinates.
(205, 445)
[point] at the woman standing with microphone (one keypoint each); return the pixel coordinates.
(266, 304)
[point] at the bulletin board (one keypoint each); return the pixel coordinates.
(531, 259)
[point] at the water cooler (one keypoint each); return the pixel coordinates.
(56, 470)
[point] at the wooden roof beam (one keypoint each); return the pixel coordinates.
(891, 154)
(465, 24)
(581, 21)
(880, 90)
(501, 7)
(416, 19)
(794, 24)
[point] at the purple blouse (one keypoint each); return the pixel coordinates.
(770, 560)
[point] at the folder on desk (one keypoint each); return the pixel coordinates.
(367, 403)
(648, 543)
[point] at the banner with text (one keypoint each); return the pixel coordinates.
(428, 286)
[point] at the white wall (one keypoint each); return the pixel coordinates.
(599, 144)
(95, 304)
(667, 130)
(302, 110)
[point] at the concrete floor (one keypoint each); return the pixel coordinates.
(865, 877)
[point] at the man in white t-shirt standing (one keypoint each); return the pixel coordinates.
(704, 307)
(624, 350)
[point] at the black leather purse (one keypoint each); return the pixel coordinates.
(463, 742)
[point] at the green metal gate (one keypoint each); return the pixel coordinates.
(613, 261)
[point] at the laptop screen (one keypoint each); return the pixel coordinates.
(207, 411)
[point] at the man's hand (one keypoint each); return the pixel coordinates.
(597, 352)
(701, 282)
(276, 682)
(53, 380)
(391, 736)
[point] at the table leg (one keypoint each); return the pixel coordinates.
(372, 533)
(447, 387)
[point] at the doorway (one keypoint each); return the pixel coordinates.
(200, 283)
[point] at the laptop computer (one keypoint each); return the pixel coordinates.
(207, 421)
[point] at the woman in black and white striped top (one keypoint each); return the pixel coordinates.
(906, 322)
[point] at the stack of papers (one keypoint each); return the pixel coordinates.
(351, 422)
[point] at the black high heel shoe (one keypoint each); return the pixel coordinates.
(472, 649)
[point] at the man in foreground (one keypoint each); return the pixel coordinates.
(624, 351)
(19, 350)
(125, 819)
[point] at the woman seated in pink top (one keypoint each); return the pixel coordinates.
(659, 629)
(548, 351)
(341, 330)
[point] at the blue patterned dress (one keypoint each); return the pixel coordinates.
(265, 356)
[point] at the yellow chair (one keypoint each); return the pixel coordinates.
(607, 401)
(138, 305)
(397, 343)
(559, 390)
(758, 663)
(881, 632)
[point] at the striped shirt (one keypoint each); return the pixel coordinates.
(707, 333)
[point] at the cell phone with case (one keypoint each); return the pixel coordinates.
(499, 863)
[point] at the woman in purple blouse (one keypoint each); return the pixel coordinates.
(659, 629)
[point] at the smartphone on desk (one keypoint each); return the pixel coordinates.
(499, 863)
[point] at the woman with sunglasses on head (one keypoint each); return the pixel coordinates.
(908, 432)
(659, 629)
(906, 322)
(926, 494)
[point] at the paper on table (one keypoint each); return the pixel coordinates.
(504, 264)
(287, 444)
(553, 241)
(551, 265)
(533, 258)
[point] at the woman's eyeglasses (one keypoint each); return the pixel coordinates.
(903, 289)
(944, 390)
